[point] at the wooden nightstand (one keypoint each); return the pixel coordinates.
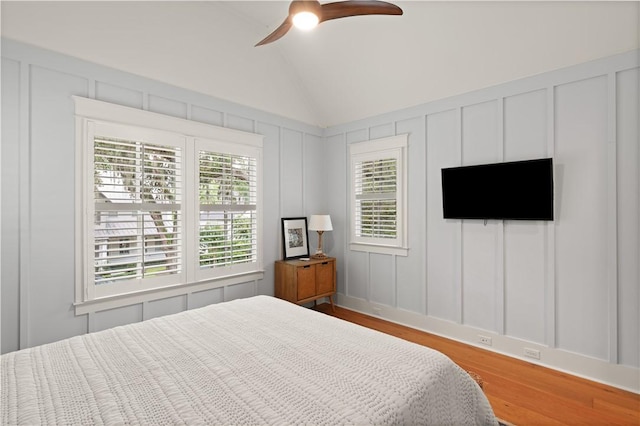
(302, 281)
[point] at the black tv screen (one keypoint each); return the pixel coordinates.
(520, 190)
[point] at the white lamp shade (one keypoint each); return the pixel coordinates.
(320, 222)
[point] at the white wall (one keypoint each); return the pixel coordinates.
(568, 288)
(38, 187)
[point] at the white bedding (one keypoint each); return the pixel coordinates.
(250, 361)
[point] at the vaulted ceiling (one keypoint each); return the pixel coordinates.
(342, 71)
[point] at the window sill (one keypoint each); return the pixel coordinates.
(121, 300)
(373, 248)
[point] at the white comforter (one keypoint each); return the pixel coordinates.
(251, 361)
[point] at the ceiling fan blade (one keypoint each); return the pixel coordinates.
(277, 33)
(343, 9)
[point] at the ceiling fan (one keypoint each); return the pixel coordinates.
(306, 14)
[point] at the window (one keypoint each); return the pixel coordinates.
(165, 212)
(378, 195)
(228, 210)
(137, 196)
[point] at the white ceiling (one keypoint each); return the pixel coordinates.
(344, 70)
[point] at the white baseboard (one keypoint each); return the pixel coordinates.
(620, 376)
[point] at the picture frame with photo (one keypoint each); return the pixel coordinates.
(295, 239)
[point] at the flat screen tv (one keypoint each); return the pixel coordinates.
(518, 190)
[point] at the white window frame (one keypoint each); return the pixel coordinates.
(136, 124)
(379, 149)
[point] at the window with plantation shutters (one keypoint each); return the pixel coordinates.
(135, 210)
(375, 188)
(378, 185)
(138, 216)
(228, 207)
(170, 206)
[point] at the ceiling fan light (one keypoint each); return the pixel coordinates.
(305, 20)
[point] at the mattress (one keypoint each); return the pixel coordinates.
(259, 360)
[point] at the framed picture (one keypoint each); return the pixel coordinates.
(294, 237)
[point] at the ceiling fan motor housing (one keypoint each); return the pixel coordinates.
(312, 6)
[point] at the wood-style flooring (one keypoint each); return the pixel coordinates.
(520, 392)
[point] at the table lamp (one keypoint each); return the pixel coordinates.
(320, 223)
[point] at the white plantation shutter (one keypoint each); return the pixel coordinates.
(138, 219)
(378, 195)
(228, 207)
(375, 187)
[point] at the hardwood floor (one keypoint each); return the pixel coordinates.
(520, 392)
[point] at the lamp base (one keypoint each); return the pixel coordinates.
(319, 256)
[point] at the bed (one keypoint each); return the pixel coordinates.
(259, 360)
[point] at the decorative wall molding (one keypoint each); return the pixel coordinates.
(570, 301)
